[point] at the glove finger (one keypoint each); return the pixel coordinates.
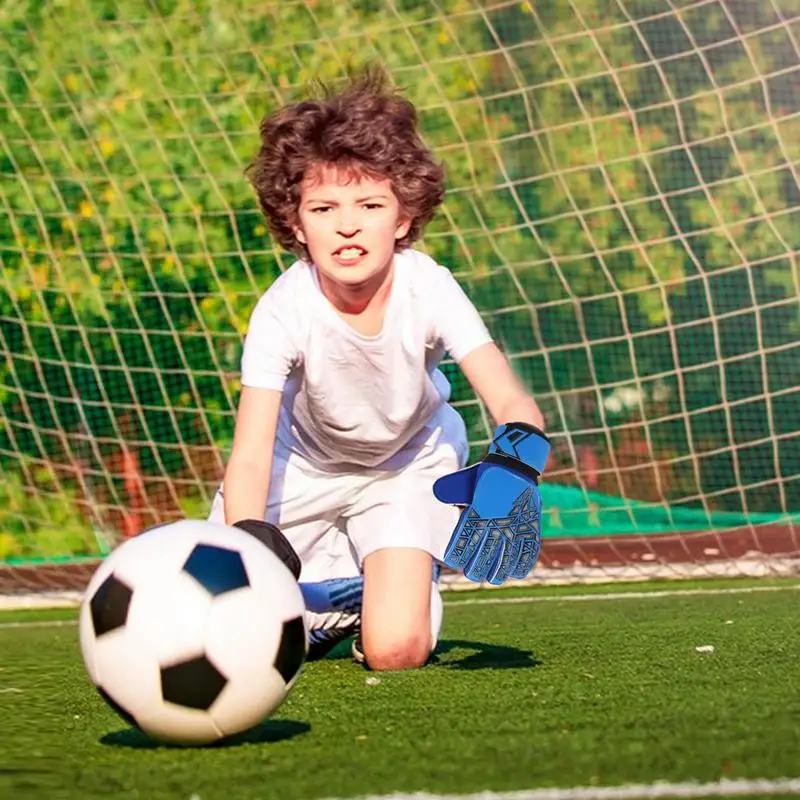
(457, 488)
(529, 555)
(529, 538)
(506, 563)
(486, 556)
(465, 540)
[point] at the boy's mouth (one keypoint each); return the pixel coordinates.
(349, 253)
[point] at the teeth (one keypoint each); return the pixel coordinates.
(350, 252)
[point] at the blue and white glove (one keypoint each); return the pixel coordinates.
(498, 534)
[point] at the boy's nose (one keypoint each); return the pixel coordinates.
(348, 222)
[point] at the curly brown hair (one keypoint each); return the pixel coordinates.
(367, 128)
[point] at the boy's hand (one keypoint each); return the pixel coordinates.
(271, 536)
(497, 535)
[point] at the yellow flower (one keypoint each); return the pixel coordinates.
(156, 236)
(8, 546)
(72, 82)
(40, 275)
(86, 209)
(107, 147)
(443, 38)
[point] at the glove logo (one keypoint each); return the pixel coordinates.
(508, 442)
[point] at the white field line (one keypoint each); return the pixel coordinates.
(566, 598)
(491, 601)
(39, 623)
(758, 787)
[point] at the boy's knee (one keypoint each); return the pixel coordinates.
(407, 652)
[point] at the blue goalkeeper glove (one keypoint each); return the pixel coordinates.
(497, 536)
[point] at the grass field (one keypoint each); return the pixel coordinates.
(531, 689)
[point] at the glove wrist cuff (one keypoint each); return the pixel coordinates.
(510, 462)
(522, 442)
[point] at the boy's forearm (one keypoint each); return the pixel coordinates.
(521, 408)
(246, 489)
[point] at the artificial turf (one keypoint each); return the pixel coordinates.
(522, 695)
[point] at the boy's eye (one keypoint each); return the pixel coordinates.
(320, 209)
(372, 205)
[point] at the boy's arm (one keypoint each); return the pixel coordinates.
(492, 378)
(247, 476)
(464, 334)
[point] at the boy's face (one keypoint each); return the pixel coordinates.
(350, 223)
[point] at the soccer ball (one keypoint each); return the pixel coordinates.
(193, 631)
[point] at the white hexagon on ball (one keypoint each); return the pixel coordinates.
(193, 631)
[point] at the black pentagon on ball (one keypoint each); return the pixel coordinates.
(110, 604)
(292, 649)
(195, 683)
(217, 569)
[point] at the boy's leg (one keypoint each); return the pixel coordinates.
(402, 611)
(332, 588)
(399, 531)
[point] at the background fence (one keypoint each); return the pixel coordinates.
(623, 207)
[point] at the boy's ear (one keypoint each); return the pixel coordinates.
(403, 227)
(299, 235)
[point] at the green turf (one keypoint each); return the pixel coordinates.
(524, 695)
(471, 594)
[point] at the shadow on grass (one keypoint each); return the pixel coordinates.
(268, 731)
(478, 655)
(482, 656)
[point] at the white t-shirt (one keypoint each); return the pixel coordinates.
(351, 400)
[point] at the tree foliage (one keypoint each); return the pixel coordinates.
(622, 207)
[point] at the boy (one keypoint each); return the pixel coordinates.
(343, 425)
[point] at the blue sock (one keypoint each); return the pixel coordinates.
(335, 594)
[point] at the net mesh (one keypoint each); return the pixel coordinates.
(623, 207)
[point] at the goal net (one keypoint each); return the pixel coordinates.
(623, 207)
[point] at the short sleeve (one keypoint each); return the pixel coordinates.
(269, 351)
(457, 322)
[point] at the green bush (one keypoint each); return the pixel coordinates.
(41, 522)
